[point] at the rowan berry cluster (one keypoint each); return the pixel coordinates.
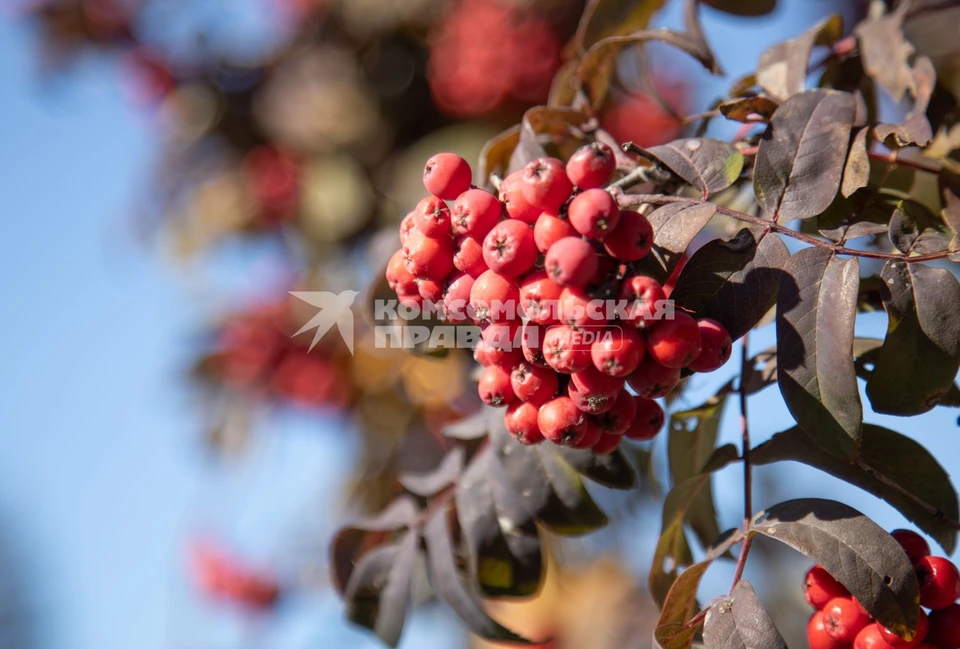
(546, 270)
(842, 623)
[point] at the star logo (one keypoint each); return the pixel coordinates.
(334, 309)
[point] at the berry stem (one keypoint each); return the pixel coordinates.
(747, 465)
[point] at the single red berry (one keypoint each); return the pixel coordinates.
(494, 386)
(494, 298)
(817, 635)
(428, 258)
(592, 381)
(945, 627)
(531, 343)
(651, 380)
(895, 641)
(844, 619)
(520, 421)
(564, 350)
(869, 638)
(571, 261)
(591, 436)
(607, 444)
(474, 213)
(591, 166)
(631, 239)
(468, 256)
(433, 217)
(533, 384)
(618, 351)
(502, 335)
(430, 290)
(545, 185)
(578, 309)
(647, 422)
(549, 229)
(715, 349)
(676, 342)
(408, 224)
(594, 213)
(561, 421)
(447, 175)
(819, 587)
(620, 418)
(939, 582)
(539, 296)
(511, 194)
(456, 297)
(399, 278)
(487, 355)
(590, 403)
(509, 248)
(643, 298)
(913, 544)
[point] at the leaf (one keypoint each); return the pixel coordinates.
(855, 551)
(675, 226)
(604, 18)
(448, 584)
(755, 380)
(744, 7)
(709, 165)
(801, 157)
(500, 535)
(915, 129)
(742, 109)
(881, 470)
(816, 310)
(856, 173)
(782, 70)
(921, 353)
(915, 229)
(378, 594)
(865, 213)
(613, 470)
(739, 620)
(885, 53)
(734, 282)
(678, 608)
(546, 126)
(431, 483)
(496, 153)
(473, 426)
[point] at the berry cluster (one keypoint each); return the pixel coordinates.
(841, 622)
(566, 321)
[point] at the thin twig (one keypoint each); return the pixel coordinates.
(747, 465)
(893, 158)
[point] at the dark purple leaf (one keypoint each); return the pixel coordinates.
(473, 426)
(801, 157)
(739, 620)
(675, 226)
(604, 18)
(855, 551)
(915, 229)
(816, 310)
(613, 470)
(886, 53)
(762, 371)
(547, 130)
(446, 473)
(867, 212)
(709, 165)
(734, 282)
(741, 110)
(856, 173)
(921, 353)
(782, 70)
(881, 470)
(496, 154)
(915, 129)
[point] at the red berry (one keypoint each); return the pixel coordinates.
(533, 384)
(562, 422)
(643, 296)
(631, 239)
(487, 355)
(408, 224)
(456, 297)
(509, 248)
(531, 344)
(913, 544)
(620, 418)
(475, 212)
(819, 587)
(494, 298)
(939, 582)
(578, 309)
(430, 290)
(715, 349)
(521, 422)
(502, 335)
(869, 638)
(399, 278)
(618, 351)
(428, 258)
(549, 229)
(592, 381)
(591, 436)
(591, 166)
(571, 261)
(590, 403)
(844, 619)
(511, 193)
(817, 635)
(433, 217)
(538, 297)
(895, 641)
(545, 185)
(447, 175)
(594, 213)
(651, 380)
(564, 349)
(607, 444)
(675, 343)
(647, 422)
(494, 386)
(468, 257)
(945, 627)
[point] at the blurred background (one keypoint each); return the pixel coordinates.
(173, 462)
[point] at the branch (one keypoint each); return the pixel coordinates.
(747, 465)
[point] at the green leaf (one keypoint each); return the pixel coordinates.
(816, 311)
(675, 226)
(739, 620)
(708, 165)
(782, 70)
(921, 353)
(855, 551)
(920, 488)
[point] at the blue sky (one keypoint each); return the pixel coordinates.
(101, 474)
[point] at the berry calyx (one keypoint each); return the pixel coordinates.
(432, 217)
(509, 248)
(494, 386)
(817, 635)
(538, 297)
(493, 297)
(447, 175)
(474, 213)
